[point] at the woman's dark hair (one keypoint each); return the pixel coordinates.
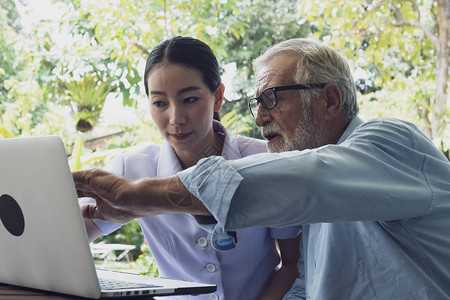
(187, 51)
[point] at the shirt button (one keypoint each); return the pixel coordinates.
(202, 242)
(211, 268)
(214, 297)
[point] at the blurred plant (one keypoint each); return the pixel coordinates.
(146, 262)
(235, 122)
(82, 158)
(130, 234)
(10, 63)
(389, 44)
(87, 97)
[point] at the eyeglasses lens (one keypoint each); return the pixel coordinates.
(254, 107)
(268, 99)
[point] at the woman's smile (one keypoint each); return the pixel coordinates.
(180, 136)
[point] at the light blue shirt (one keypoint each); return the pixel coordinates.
(183, 250)
(375, 210)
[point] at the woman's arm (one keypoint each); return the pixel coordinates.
(93, 232)
(286, 275)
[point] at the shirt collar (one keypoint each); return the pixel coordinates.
(354, 123)
(230, 146)
(168, 163)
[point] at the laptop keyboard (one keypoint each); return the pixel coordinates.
(113, 284)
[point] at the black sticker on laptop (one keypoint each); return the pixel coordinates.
(11, 215)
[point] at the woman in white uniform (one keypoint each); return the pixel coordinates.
(182, 81)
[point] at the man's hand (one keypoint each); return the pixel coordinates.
(120, 200)
(115, 196)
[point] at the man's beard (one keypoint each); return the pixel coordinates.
(308, 134)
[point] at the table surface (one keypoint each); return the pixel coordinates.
(8, 292)
(120, 247)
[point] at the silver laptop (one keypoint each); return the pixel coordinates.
(43, 241)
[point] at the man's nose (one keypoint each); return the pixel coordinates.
(262, 116)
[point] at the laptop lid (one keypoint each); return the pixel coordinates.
(43, 240)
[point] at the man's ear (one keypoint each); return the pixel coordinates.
(333, 98)
(218, 97)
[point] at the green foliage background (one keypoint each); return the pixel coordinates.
(57, 73)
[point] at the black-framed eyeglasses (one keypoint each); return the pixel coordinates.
(268, 98)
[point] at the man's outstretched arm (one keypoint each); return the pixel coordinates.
(119, 199)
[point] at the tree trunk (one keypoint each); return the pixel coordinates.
(438, 115)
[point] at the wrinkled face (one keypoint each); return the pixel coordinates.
(182, 106)
(294, 124)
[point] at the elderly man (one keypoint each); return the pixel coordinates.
(373, 198)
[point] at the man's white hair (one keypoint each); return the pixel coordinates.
(317, 63)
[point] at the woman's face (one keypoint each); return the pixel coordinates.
(182, 106)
